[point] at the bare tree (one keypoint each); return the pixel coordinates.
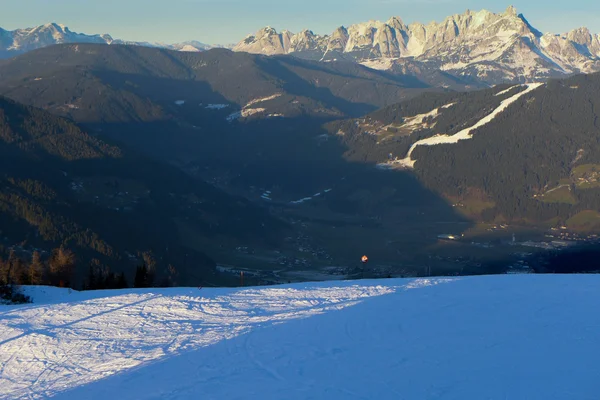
(62, 266)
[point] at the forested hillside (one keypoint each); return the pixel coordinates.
(533, 162)
(118, 83)
(63, 187)
(274, 130)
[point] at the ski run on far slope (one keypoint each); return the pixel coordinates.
(464, 134)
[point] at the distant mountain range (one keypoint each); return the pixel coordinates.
(325, 154)
(244, 119)
(476, 48)
(483, 46)
(21, 41)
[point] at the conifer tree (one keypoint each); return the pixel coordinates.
(141, 276)
(36, 269)
(121, 281)
(110, 282)
(92, 281)
(20, 272)
(150, 264)
(9, 268)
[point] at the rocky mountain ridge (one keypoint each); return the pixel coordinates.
(488, 47)
(479, 48)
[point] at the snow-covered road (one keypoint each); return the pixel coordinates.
(493, 337)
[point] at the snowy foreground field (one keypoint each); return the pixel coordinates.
(494, 337)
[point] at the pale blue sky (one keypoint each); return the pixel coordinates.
(228, 21)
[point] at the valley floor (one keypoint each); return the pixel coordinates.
(487, 337)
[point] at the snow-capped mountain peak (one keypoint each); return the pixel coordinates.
(392, 38)
(21, 41)
(511, 10)
(481, 45)
(27, 39)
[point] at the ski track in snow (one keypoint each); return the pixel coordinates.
(465, 134)
(45, 349)
(499, 337)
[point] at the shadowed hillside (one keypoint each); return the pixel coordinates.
(140, 83)
(61, 186)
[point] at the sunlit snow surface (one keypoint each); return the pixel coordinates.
(497, 337)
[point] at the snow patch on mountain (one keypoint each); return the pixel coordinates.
(266, 195)
(246, 111)
(420, 121)
(379, 64)
(252, 102)
(506, 90)
(251, 111)
(305, 199)
(414, 123)
(189, 48)
(233, 116)
(216, 106)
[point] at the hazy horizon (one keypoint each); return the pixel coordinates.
(229, 21)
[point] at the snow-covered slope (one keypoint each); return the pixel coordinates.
(484, 46)
(23, 40)
(492, 337)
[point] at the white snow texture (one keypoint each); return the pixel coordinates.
(493, 337)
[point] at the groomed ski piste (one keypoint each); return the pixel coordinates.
(489, 337)
(466, 133)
